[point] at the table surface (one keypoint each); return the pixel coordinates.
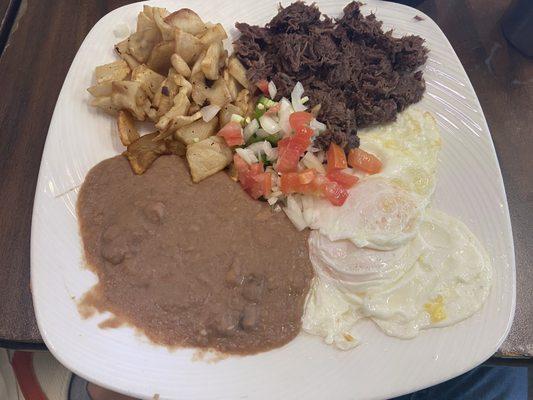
(44, 38)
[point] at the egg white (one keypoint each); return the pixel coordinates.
(383, 210)
(448, 280)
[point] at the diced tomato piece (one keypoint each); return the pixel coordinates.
(263, 86)
(319, 185)
(289, 152)
(300, 119)
(232, 134)
(358, 158)
(256, 168)
(336, 157)
(289, 182)
(335, 193)
(342, 178)
(306, 177)
(252, 178)
(261, 186)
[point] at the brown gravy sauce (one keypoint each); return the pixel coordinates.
(195, 265)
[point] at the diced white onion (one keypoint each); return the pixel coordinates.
(311, 161)
(250, 129)
(296, 97)
(317, 126)
(285, 110)
(269, 124)
(247, 155)
(294, 212)
(272, 153)
(209, 112)
(272, 89)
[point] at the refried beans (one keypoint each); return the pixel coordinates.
(194, 265)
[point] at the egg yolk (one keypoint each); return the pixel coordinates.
(435, 309)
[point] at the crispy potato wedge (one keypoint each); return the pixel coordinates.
(145, 22)
(180, 65)
(225, 113)
(187, 46)
(141, 43)
(115, 71)
(106, 104)
(209, 64)
(215, 33)
(180, 108)
(164, 97)
(149, 79)
(237, 70)
(122, 50)
(167, 31)
(144, 151)
(218, 94)
(126, 128)
(197, 131)
(101, 90)
(244, 102)
(186, 20)
(149, 11)
(207, 157)
(175, 147)
(130, 96)
(231, 83)
(159, 59)
(177, 123)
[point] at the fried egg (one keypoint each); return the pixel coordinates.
(439, 278)
(383, 210)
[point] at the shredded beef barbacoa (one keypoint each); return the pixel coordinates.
(359, 74)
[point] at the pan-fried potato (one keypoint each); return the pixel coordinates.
(172, 66)
(126, 128)
(187, 45)
(106, 104)
(144, 151)
(207, 157)
(197, 131)
(231, 83)
(128, 95)
(224, 116)
(218, 94)
(180, 107)
(159, 59)
(215, 33)
(122, 50)
(237, 70)
(243, 101)
(186, 20)
(180, 65)
(209, 64)
(101, 90)
(183, 83)
(196, 71)
(144, 22)
(141, 43)
(150, 80)
(115, 71)
(175, 147)
(167, 31)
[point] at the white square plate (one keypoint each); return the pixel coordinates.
(470, 187)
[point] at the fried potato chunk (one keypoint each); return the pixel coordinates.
(126, 128)
(207, 157)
